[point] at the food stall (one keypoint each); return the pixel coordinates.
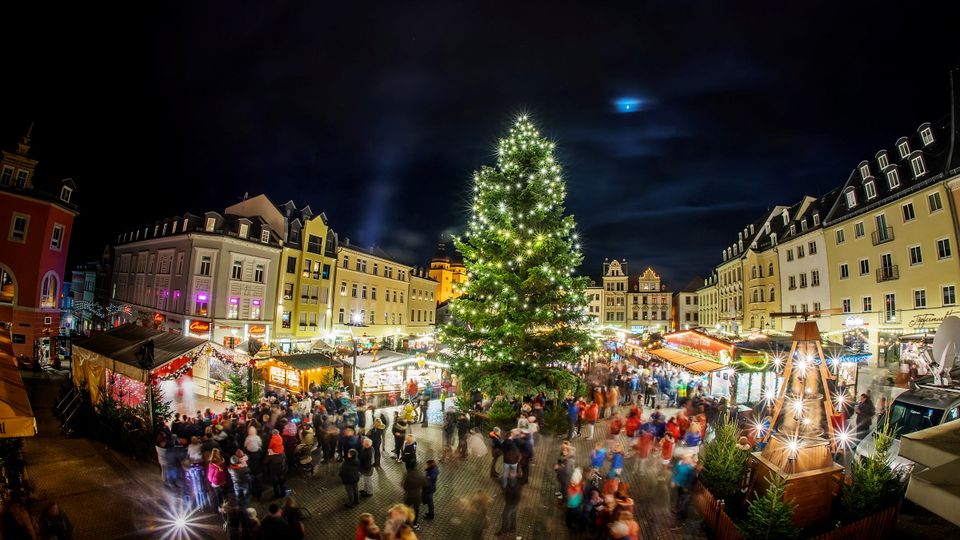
(388, 373)
(296, 372)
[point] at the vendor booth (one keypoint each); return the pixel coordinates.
(183, 366)
(390, 373)
(716, 377)
(16, 414)
(296, 372)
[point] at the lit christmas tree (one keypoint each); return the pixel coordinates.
(519, 325)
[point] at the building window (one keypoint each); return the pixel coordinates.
(376, 269)
(867, 304)
(244, 230)
(927, 136)
(288, 291)
(291, 265)
(237, 271)
(793, 282)
(904, 149)
(865, 171)
(858, 230)
(846, 305)
(934, 202)
(851, 199)
(306, 266)
(201, 304)
(363, 292)
(343, 288)
(813, 248)
(844, 271)
(893, 179)
(790, 254)
(362, 265)
(285, 319)
(65, 193)
(890, 307)
(870, 189)
(56, 237)
(918, 166)
(353, 290)
(920, 298)
(803, 281)
(949, 295)
(49, 290)
(883, 161)
(233, 308)
(258, 273)
(840, 238)
(19, 224)
(816, 219)
(814, 278)
(326, 271)
(314, 244)
(22, 178)
(769, 273)
(205, 265)
(943, 249)
(864, 267)
(800, 251)
(255, 308)
(916, 257)
(265, 236)
(908, 213)
(6, 176)
(773, 295)
(346, 261)
(211, 224)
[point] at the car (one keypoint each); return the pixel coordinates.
(920, 408)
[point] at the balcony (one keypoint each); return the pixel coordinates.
(888, 273)
(882, 236)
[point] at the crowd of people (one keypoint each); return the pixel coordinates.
(243, 455)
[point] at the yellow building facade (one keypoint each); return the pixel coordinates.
(891, 242)
(449, 273)
(422, 303)
(307, 264)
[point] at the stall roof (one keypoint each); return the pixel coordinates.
(307, 361)
(123, 343)
(935, 488)
(16, 414)
(686, 361)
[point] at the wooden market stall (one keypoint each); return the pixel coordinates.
(296, 372)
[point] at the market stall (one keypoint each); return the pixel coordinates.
(16, 414)
(296, 372)
(184, 367)
(389, 373)
(716, 377)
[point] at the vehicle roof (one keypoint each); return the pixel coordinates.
(934, 398)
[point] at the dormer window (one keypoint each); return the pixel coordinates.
(65, 193)
(803, 225)
(265, 236)
(851, 199)
(926, 134)
(211, 224)
(785, 216)
(883, 160)
(893, 179)
(186, 221)
(919, 168)
(870, 188)
(773, 238)
(816, 219)
(174, 229)
(865, 171)
(904, 148)
(793, 229)
(244, 230)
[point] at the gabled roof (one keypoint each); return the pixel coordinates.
(818, 207)
(123, 343)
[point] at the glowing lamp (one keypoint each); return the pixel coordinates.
(202, 297)
(255, 302)
(234, 301)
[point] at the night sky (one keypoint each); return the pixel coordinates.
(378, 116)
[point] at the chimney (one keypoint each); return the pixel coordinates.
(346, 241)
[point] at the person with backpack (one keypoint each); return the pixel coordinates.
(511, 460)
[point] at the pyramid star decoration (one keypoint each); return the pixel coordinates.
(520, 325)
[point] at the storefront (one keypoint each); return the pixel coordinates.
(713, 376)
(297, 372)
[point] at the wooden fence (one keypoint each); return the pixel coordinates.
(721, 527)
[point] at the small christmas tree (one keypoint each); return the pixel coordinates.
(724, 463)
(237, 390)
(874, 485)
(769, 517)
(519, 324)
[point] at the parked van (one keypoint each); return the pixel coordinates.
(923, 407)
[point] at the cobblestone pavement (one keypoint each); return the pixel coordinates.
(107, 495)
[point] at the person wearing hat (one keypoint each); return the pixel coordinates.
(240, 478)
(496, 444)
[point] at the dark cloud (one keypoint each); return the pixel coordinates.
(378, 115)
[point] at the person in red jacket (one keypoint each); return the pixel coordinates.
(590, 415)
(673, 428)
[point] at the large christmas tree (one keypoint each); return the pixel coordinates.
(518, 326)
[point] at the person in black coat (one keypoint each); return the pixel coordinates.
(366, 466)
(376, 437)
(275, 472)
(496, 444)
(399, 432)
(350, 476)
(432, 473)
(463, 429)
(413, 483)
(408, 455)
(273, 525)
